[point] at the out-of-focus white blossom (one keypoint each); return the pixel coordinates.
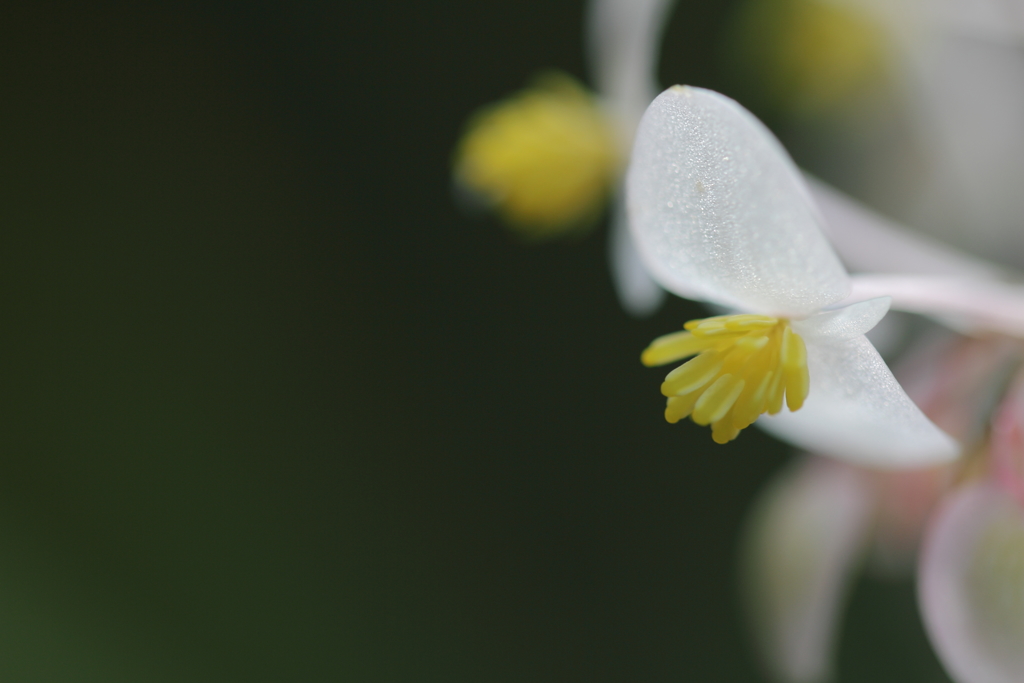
(549, 158)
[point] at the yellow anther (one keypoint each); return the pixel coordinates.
(776, 391)
(545, 158)
(723, 431)
(672, 347)
(794, 369)
(692, 375)
(679, 407)
(745, 365)
(717, 400)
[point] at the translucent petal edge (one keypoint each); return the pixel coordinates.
(843, 323)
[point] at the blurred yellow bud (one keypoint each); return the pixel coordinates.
(807, 56)
(545, 158)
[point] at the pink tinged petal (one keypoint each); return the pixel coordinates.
(971, 586)
(844, 323)
(856, 410)
(1008, 442)
(623, 39)
(956, 380)
(718, 207)
(804, 539)
(868, 242)
(906, 499)
(638, 293)
(961, 303)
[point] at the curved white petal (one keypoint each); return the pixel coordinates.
(844, 323)
(717, 206)
(866, 241)
(623, 38)
(856, 410)
(969, 305)
(638, 293)
(971, 586)
(803, 541)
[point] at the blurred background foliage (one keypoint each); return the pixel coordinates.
(275, 409)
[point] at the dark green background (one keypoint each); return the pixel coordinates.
(274, 409)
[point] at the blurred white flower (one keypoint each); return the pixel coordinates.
(927, 97)
(805, 540)
(971, 574)
(842, 516)
(548, 158)
(623, 38)
(957, 72)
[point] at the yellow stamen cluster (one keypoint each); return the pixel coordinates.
(545, 158)
(744, 366)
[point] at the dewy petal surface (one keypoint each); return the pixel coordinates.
(971, 586)
(804, 538)
(717, 206)
(857, 411)
(638, 293)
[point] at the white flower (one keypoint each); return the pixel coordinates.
(721, 214)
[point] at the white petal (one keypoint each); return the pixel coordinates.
(803, 541)
(623, 38)
(856, 410)
(968, 305)
(638, 293)
(866, 241)
(718, 207)
(971, 586)
(844, 323)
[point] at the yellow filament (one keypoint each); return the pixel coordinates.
(545, 158)
(744, 365)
